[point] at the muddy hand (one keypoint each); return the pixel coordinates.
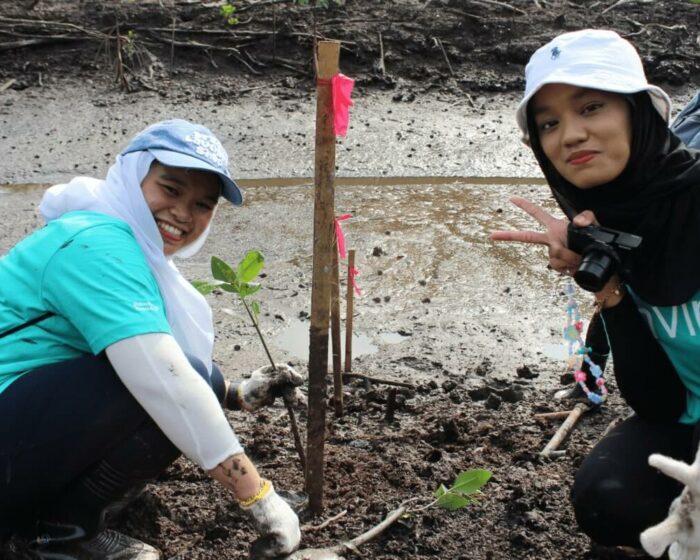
(265, 384)
(681, 529)
(554, 237)
(275, 522)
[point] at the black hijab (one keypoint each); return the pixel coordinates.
(657, 196)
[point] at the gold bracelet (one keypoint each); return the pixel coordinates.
(616, 291)
(265, 488)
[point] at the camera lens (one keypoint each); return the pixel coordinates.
(595, 270)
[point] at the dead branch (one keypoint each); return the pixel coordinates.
(621, 2)
(295, 433)
(7, 84)
(254, 5)
(438, 42)
(54, 24)
(564, 430)
(325, 523)
(382, 67)
(285, 63)
(377, 380)
(500, 5)
(195, 45)
(552, 415)
(367, 536)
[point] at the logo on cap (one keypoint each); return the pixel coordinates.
(555, 53)
(209, 147)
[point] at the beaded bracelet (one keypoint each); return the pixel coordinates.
(578, 351)
(265, 488)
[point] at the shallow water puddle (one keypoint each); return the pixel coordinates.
(294, 339)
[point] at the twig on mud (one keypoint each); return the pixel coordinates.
(500, 4)
(380, 381)
(458, 12)
(295, 433)
(54, 24)
(643, 27)
(621, 2)
(7, 84)
(285, 63)
(325, 523)
(247, 65)
(382, 67)
(564, 430)
(438, 43)
(552, 415)
(192, 44)
(38, 41)
(253, 5)
(121, 74)
(373, 532)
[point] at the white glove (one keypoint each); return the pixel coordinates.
(275, 522)
(265, 384)
(681, 529)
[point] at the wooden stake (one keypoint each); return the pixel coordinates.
(564, 430)
(335, 335)
(324, 231)
(349, 312)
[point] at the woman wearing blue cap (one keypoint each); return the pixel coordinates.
(106, 372)
(600, 135)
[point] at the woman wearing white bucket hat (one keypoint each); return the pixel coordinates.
(106, 372)
(600, 134)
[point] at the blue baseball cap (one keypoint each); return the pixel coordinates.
(180, 143)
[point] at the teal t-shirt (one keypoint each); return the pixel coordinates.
(87, 269)
(677, 328)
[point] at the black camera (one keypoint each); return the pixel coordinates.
(603, 252)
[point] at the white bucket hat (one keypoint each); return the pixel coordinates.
(590, 58)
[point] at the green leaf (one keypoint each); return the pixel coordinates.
(453, 502)
(231, 288)
(203, 287)
(222, 271)
(250, 266)
(255, 309)
(461, 493)
(471, 481)
(245, 290)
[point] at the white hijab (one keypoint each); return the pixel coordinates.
(120, 196)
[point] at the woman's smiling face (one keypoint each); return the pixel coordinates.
(182, 202)
(585, 133)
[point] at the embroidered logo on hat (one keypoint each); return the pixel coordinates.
(209, 147)
(555, 53)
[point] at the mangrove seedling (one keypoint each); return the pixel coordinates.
(239, 281)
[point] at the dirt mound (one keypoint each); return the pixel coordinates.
(441, 46)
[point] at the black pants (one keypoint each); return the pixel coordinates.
(616, 494)
(73, 439)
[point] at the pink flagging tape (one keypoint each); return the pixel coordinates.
(353, 273)
(340, 236)
(341, 90)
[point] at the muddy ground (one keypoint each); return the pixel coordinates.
(474, 327)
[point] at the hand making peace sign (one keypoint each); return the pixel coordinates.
(561, 259)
